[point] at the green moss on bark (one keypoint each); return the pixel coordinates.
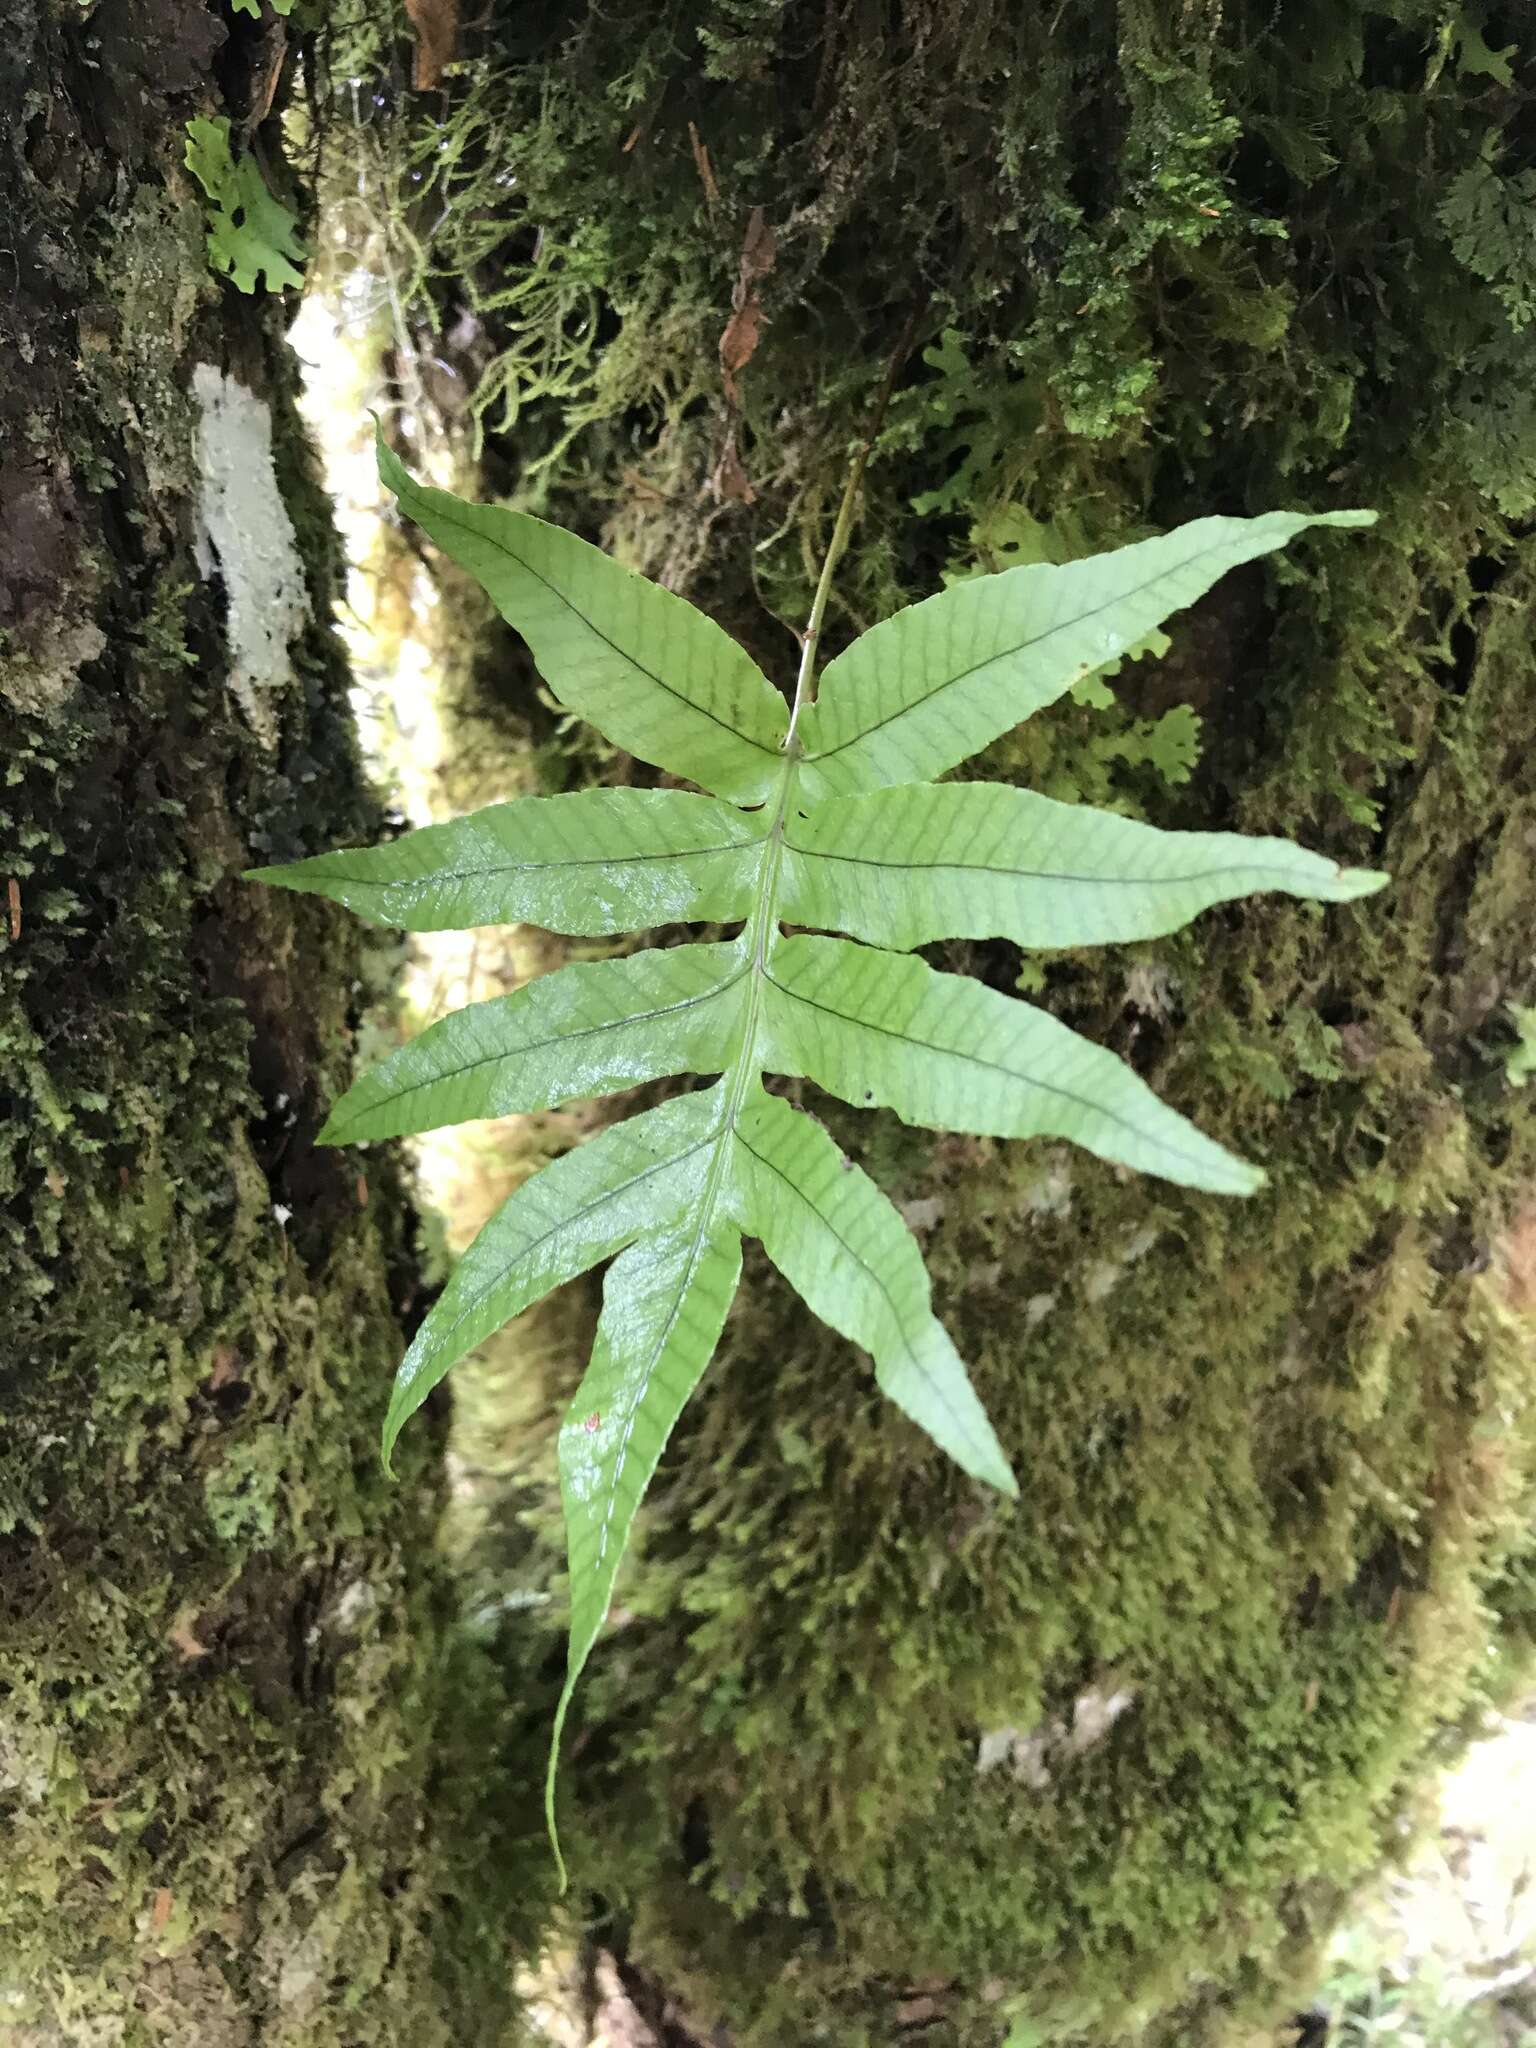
(836, 1776)
(235, 1715)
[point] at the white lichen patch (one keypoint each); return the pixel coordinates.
(244, 533)
(1033, 1754)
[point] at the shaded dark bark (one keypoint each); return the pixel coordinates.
(234, 1715)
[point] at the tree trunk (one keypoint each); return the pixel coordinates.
(866, 1754)
(235, 1720)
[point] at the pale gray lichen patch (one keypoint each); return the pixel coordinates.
(1033, 1755)
(244, 530)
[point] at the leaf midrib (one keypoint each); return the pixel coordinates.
(969, 867)
(515, 867)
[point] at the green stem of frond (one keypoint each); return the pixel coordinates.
(805, 680)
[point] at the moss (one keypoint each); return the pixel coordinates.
(236, 1714)
(1279, 1455)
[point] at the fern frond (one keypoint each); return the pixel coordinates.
(819, 816)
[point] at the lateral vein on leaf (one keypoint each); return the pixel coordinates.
(623, 653)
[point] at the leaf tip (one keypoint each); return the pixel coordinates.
(393, 474)
(1353, 883)
(1356, 516)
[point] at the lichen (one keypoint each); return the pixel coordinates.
(246, 536)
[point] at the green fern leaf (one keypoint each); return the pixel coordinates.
(889, 1031)
(587, 1030)
(251, 235)
(922, 691)
(664, 1306)
(650, 672)
(582, 1208)
(598, 862)
(844, 1249)
(819, 816)
(978, 860)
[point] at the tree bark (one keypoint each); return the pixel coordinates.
(867, 1755)
(235, 1715)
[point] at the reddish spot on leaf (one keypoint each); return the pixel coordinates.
(592, 1424)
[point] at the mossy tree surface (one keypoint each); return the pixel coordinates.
(1276, 1456)
(232, 1716)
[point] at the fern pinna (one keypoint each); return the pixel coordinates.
(820, 814)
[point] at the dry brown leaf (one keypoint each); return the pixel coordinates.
(266, 71)
(436, 23)
(739, 342)
(13, 895)
(160, 1911)
(706, 169)
(743, 331)
(759, 251)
